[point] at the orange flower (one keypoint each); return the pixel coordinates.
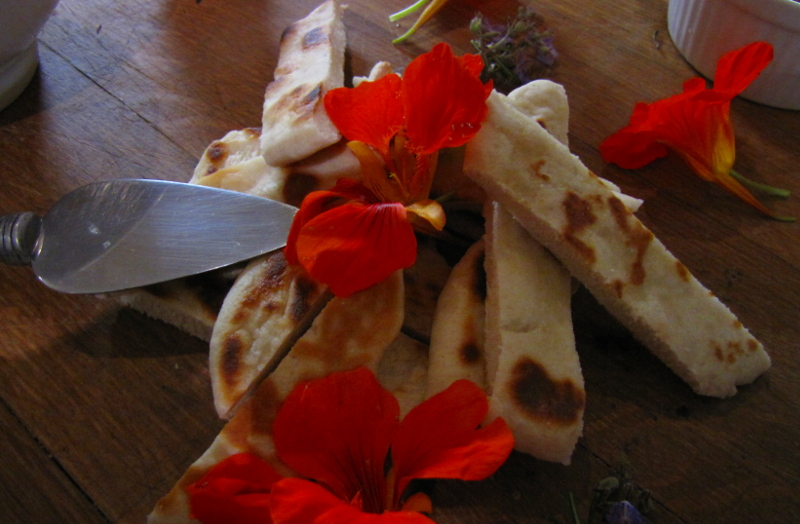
(341, 433)
(357, 234)
(695, 124)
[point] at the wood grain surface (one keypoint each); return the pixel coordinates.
(102, 409)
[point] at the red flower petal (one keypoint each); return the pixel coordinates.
(337, 430)
(296, 501)
(440, 438)
(318, 201)
(444, 98)
(237, 489)
(737, 69)
(371, 113)
(700, 132)
(353, 246)
(636, 145)
(350, 515)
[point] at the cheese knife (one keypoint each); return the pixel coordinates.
(127, 233)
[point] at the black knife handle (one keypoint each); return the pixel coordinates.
(19, 233)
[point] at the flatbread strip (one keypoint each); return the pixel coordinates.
(546, 102)
(526, 358)
(572, 213)
(533, 372)
(457, 348)
(311, 63)
(350, 332)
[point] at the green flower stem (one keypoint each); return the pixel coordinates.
(573, 508)
(407, 11)
(763, 188)
(403, 38)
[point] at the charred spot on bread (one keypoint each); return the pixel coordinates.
(304, 292)
(638, 237)
(313, 96)
(289, 32)
(302, 100)
(536, 169)
(233, 348)
(733, 350)
(216, 153)
(579, 216)
(470, 353)
(641, 240)
(316, 36)
(271, 278)
(618, 286)
(544, 398)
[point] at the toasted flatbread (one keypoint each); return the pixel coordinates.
(263, 313)
(588, 228)
(403, 371)
(351, 332)
(514, 343)
(457, 336)
(311, 63)
(235, 163)
(546, 102)
(533, 373)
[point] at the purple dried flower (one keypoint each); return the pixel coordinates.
(624, 513)
(515, 53)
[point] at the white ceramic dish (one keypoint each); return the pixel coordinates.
(20, 23)
(704, 30)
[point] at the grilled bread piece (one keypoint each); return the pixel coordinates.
(533, 373)
(526, 358)
(457, 335)
(311, 63)
(588, 228)
(270, 303)
(350, 332)
(546, 102)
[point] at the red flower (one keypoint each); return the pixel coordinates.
(359, 233)
(235, 490)
(695, 124)
(340, 430)
(340, 434)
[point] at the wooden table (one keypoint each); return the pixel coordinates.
(103, 409)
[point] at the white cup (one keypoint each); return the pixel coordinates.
(20, 23)
(704, 30)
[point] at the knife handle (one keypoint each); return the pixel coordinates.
(19, 233)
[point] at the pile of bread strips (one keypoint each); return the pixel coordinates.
(501, 313)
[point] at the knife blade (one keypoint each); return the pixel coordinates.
(127, 233)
